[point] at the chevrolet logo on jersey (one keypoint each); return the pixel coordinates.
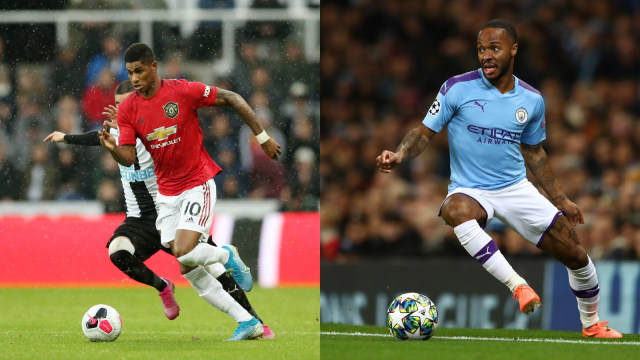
(161, 133)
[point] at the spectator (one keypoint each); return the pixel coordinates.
(67, 62)
(10, 177)
(40, 177)
(266, 176)
(111, 58)
(96, 97)
(302, 187)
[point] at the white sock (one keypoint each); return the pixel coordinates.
(211, 291)
(584, 283)
(480, 245)
(215, 269)
(204, 254)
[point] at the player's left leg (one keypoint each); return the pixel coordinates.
(211, 291)
(133, 242)
(562, 243)
(535, 218)
(231, 287)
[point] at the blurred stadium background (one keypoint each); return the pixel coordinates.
(382, 63)
(60, 61)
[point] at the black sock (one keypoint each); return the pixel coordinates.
(231, 287)
(136, 269)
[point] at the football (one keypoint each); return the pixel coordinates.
(101, 323)
(412, 316)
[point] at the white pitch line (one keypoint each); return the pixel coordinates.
(563, 341)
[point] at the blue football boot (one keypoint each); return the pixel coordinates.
(239, 270)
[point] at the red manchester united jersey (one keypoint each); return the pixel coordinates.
(168, 126)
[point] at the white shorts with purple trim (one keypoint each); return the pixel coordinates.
(519, 206)
(191, 210)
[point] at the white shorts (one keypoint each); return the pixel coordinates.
(191, 210)
(519, 206)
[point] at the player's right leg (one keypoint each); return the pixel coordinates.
(465, 214)
(123, 255)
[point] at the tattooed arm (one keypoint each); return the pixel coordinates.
(536, 160)
(229, 98)
(413, 144)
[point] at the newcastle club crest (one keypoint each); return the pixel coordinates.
(171, 109)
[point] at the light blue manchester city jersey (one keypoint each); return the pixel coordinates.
(485, 129)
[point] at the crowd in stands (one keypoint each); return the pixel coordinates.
(382, 64)
(68, 94)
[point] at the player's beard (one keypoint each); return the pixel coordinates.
(501, 71)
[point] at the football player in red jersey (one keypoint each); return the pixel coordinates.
(163, 114)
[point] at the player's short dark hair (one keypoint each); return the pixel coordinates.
(502, 24)
(124, 87)
(139, 52)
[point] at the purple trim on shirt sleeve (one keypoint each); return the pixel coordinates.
(486, 252)
(471, 75)
(528, 87)
(588, 293)
(562, 212)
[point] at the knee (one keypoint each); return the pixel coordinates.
(180, 251)
(577, 258)
(184, 269)
(456, 212)
(121, 243)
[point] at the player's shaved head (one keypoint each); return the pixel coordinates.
(139, 52)
(505, 25)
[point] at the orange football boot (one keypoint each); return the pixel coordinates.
(528, 298)
(600, 330)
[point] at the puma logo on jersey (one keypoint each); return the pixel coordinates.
(481, 106)
(162, 133)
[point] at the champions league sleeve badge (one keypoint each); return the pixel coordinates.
(521, 115)
(435, 107)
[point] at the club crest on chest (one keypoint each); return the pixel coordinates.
(171, 109)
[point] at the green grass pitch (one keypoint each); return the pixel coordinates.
(371, 342)
(44, 323)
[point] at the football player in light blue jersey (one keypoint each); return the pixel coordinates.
(496, 125)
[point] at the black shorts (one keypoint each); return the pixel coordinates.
(143, 235)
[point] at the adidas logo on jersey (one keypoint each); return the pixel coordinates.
(190, 219)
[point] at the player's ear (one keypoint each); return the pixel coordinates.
(514, 49)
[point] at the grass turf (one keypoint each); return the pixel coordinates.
(371, 342)
(44, 323)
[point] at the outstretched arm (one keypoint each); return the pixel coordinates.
(91, 138)
(411, 146)
(229, 98)
(538, 163)
(124, 155)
